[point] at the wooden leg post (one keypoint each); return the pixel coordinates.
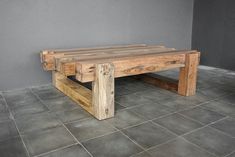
(188, 75)
(103, 91)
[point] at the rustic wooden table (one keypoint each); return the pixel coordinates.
(103, 64)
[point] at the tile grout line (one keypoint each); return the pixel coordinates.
(133, 155)
(20, 135)
(209, 124)
(54, 150)
(63, 125)
(154, 119)
(189, 108)
(181, 136)
(229, 154)
(163, 116)
(109, 133)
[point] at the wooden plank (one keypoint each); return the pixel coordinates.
(85, 71)
(114, 54)
(77, 92)
(64, 66)
(50, 59)
(103, 91)
(188, 75)
(159, 81)
(95, 48)
(47, 56)
(63, 63)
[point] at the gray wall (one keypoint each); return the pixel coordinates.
(28, 26)
(214, 32)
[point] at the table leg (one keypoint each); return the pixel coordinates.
(103, 91)
(188, 75)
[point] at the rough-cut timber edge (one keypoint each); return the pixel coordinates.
(132, 66)
(48, 56)
(80, 94)
(100, 101)
(103, 91)
(186, 85)
(188, 75)
(159, 81)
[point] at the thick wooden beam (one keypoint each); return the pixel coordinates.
(48, 56)
(69, 62)
(188, 75)
(77, 92)
(159, 81)
(103, 91)
(135, 65)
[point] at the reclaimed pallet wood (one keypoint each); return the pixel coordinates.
(102, 65)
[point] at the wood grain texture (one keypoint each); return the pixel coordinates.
(102, 65)
(188, 75)
(77, 92)
(103, 91)
(159, 81)
(48, 56)
(85, 71)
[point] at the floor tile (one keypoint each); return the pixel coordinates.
(8, 130)
(23, 110)
(12, 148)
(19, 97)
(3, 106)
(47, 140)
(4, 116)
(47, 92)
(132, 100)
(112, 145)
(176, 103)
(36, 122)
(72, 115)
(148, 134)
(202, 115)
(142, 154)
(61, 104)
(212, 141)
(227, 125)
(125, 119)
(154, 95)
(90, 128)
(228, 99)
(221, 107)
(178, 124)
(118, 107)
(231, 155)
(120, 90)
(196, 99)
(151, 111)
(213, 92)
(73, 151)
(178, 148)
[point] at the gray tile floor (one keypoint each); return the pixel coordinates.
(149, 121)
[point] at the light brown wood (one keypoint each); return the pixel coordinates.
(137, 65)
(47, 56)
(159, 81)
(188, 75)
(103, 91)
(102, 65)
(108, 53)
(77, 92)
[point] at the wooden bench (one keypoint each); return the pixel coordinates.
(103, 64)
